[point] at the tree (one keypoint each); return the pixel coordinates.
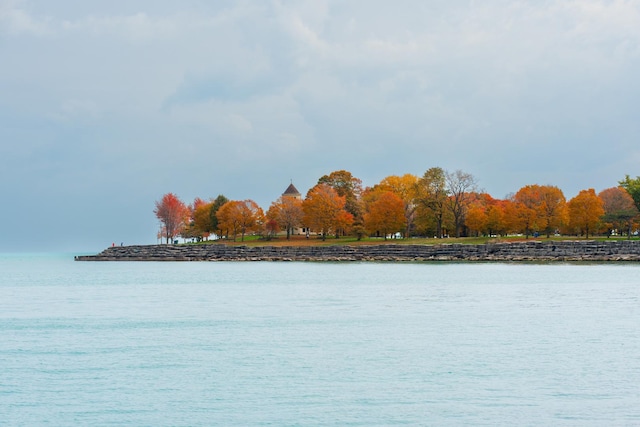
(323, 209)
(192, 229)
(432, 195)
(539, 207)
(632, 186)
(172, 213)
(287, 212)
(585, 211)
(271, 228)
(459, 186)
(201, 218)
(217, 204)
(385, 215)
(619, 209)
(404, 187)
(553, 209)
(477, 218)
(229, 218)
(240, 217)
(526, 210)
(496, 223)
(347, 186)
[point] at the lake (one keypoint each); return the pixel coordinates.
(349, 344)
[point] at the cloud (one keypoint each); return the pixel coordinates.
(239, 97)
(16, 21)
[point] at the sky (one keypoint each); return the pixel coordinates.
(106, 106)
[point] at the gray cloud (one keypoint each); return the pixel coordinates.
(105, 108)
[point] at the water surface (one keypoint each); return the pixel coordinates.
(119, 343)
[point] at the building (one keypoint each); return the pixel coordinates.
(292, 191)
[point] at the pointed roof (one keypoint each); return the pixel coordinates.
(291, 191)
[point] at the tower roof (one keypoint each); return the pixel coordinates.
(291, 191)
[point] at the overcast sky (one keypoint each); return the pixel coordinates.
(106, 106)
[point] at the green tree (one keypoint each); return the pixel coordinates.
(215, 206)
(633, 188)
(432, 196)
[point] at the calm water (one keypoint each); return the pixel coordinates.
(158, 344)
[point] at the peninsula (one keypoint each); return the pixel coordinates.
(533, 250)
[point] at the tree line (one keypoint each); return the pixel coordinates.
(437, 204)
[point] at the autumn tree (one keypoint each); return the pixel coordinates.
(553, 209)
(619, 209)
(632, 186)
(172, 213)
(460, 185)
(271, 228)
(539, 207)
(193, 230)
(201, 218)
(585, 211)
(229, 218)
(287, 212)
(405, 188)
(496, 223)
(324, 210)
(385, 215)
(240, 217)
(432, 195)
(524, 210)
(476, 219)
(347, 186)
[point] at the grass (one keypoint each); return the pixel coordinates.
(350, 240)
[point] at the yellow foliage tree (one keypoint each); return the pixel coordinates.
(385, 215)
(287, 212)
(240, 217)
(585, 211)
(324, 210)
(405, 188)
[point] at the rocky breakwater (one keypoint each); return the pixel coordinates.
(534, 250)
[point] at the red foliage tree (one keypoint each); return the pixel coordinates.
(172, 213)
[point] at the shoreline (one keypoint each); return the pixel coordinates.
(535, 250)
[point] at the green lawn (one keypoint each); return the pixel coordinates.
(350, 240)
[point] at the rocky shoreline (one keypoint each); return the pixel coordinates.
(534, 250)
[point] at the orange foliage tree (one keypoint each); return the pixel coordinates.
(201, 217)
(553, 209)
(385, 215)
(538, 207)
(240, 217)
(347, 186)
(525, 210)
(324, 210)
(405, 188)
(287, 213)
(585, 211)
(476, 218)
(172, 213)
(193, 230)
(496, 222)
